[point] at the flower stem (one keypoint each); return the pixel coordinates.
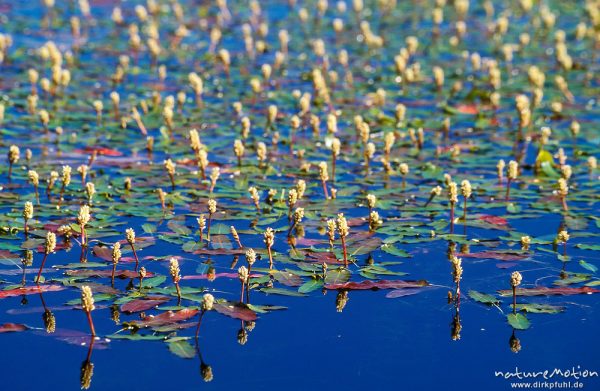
(37, 280)
(91, 323)
(135, 256)
(345, 251)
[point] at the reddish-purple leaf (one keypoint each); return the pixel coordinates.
(545, 291)
(165, 318)
(105, 273)
(103, 253)
(497, 220)
(143, 304)
(12, 327)
(287, 278)
(217, 275)
(501, 256)
(383, 284)
(30, 290)
(221, 251)
(323, 257)
(235, 310)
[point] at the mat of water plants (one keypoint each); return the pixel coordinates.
(299, 194)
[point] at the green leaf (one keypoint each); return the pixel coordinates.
(149, 228)
(540, 308)
(391, 249)
(544, 157)
(549, 171)
(283, 292)
(337, 276)
(182, 349)
(483, 297)
(153, 282)
(310, 285)
(518, 321)
(588, 266)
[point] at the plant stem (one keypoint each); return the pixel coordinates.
(345, 251)
(37, 280)
(452, 217)
(270, 257)
(514, 289)
(83, 235)
(208, 227)
(333, 168)
(564, 203)
(135, 256)
(325, 190)
(112, 275)
(91, 323)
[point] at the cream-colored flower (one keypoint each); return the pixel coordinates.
(87, 299)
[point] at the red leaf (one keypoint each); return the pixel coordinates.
(309, 242)
(467, 109)
(143, 304)
(165, 318)
(497, 220)
(100, 150)
(322, 258)
(217, 275)
(105, 273)
(235, 310)
(12, 327)
(221, 251)
(383, 284)
(103, 253)
(30, 290)
(545, 291)
(502, 256)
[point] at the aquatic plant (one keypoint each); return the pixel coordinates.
(269, 239)
(175, 275)
(515, 281)
(116, 256)
(49, 247)
(130, 237)
(27, 215)
(87, 303)
(343, 230)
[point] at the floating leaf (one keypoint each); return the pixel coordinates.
(337, 276)
(403, 292)
(383, 284)
(540, 308)
(182, 349)
(545, 291)
(588, 266)
(281, 291)
(29, 290)
(483, 297)
(12, 327)
(518, 321)
(144, 304)
(166, 318)
(311, 285)
(235, 310)
(499, 255)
